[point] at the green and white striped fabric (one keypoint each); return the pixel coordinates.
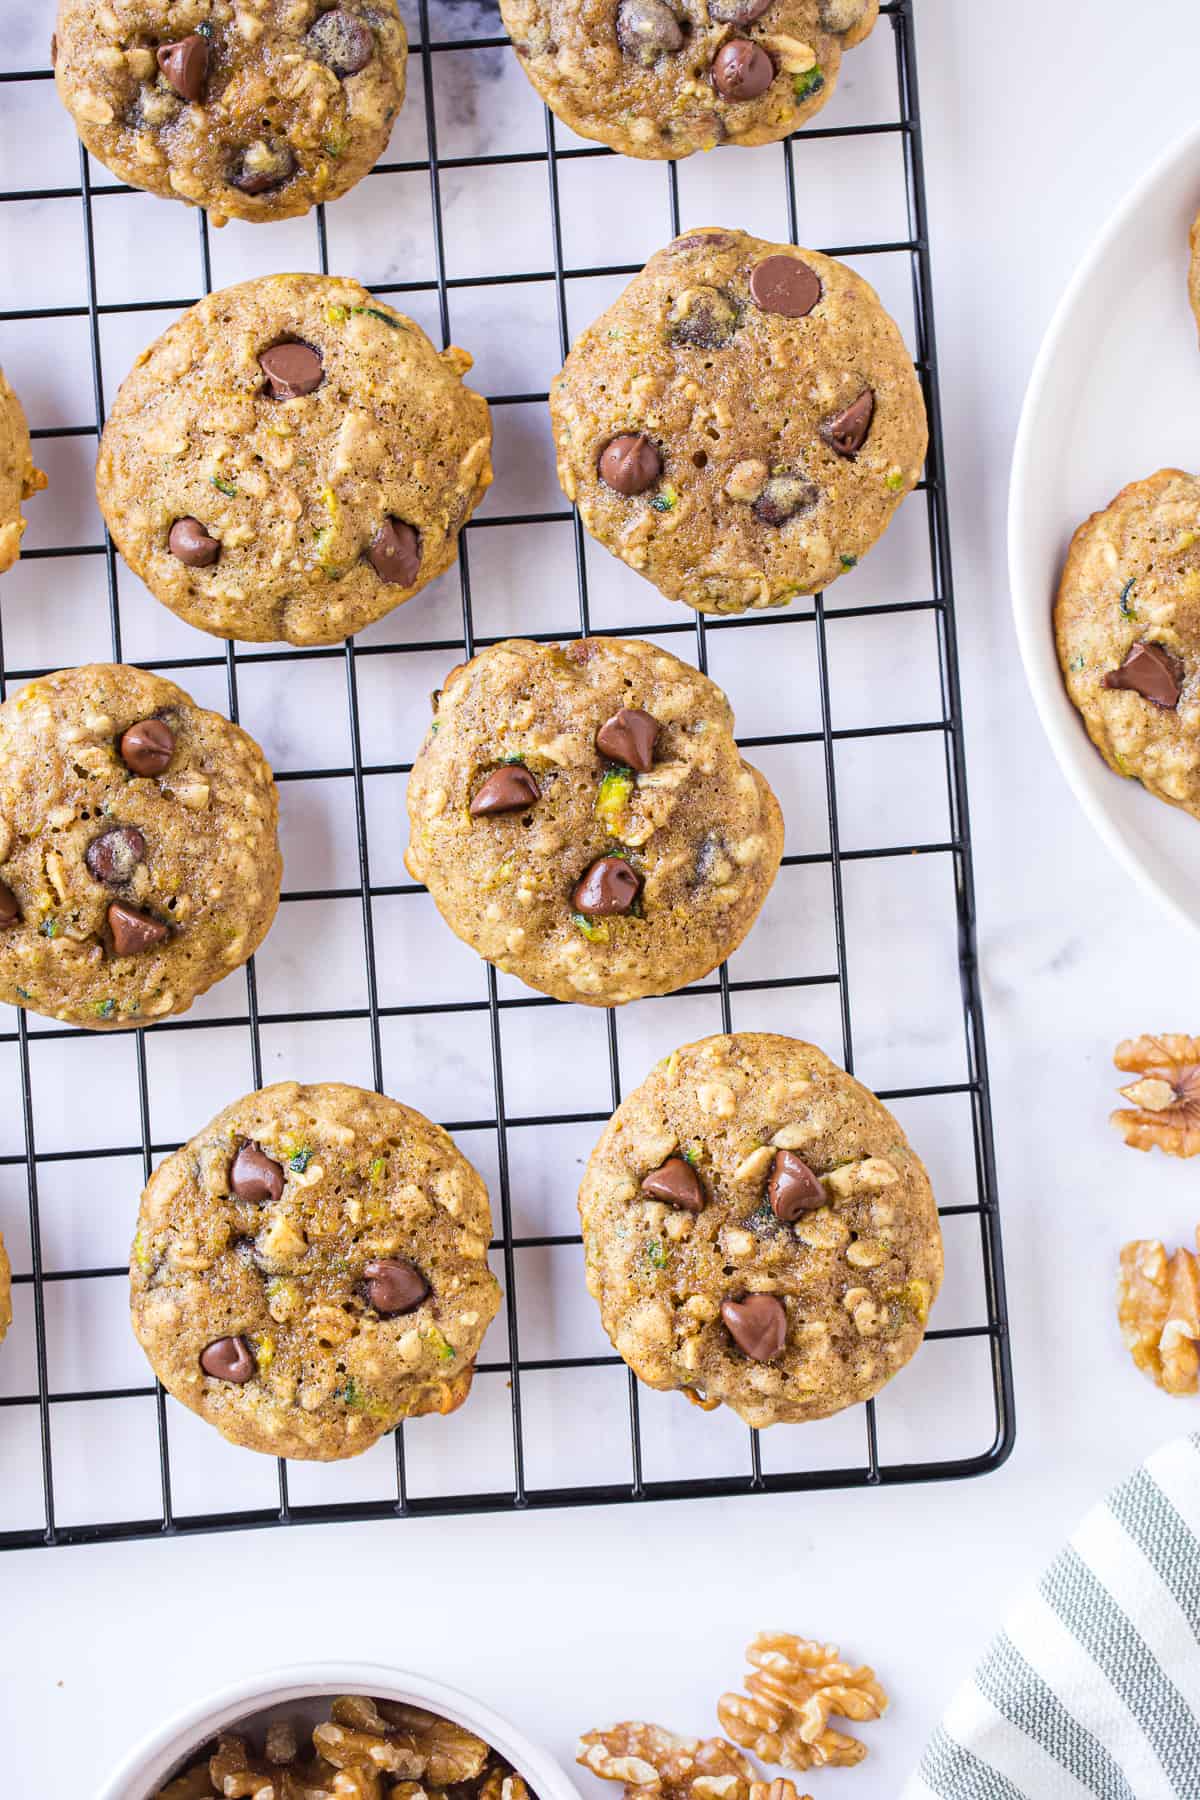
(1093, 1687)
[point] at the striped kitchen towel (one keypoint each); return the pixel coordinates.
(1093, 1687)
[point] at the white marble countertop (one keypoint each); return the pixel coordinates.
(571, 1618)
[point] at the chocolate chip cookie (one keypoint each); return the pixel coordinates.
(138, 853)
(291, 460)
(741, 424)
(19, 480)
(583, 819)
(255, 109)
(1127, 623)
(758, 1232)
(5, 1290)
(661, 78)
(312, 1268)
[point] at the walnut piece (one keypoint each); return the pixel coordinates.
(1164, 1107)
(1158, 1308)
(794, 1688)
(655, 1764)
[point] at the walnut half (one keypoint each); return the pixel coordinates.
(655, 1764)
(1158, 1308)
(1164, 1102)
(795, 1687)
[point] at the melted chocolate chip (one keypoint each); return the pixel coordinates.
(342, 42)
(147, 747)
(647, 29)
(846, 432)
(704, 318)
(757, 1324)
(133, 931)
(707, 240)
(607, 887)
(113, 858)
(784, 284)
(508, 789)
(742, 70)
(395, 1286)
(395, 553)
(630, 463)
(188, 540)
(1150, 671)
(785, 497)
(793, 1189)
(10, 912)
(185, 65)
(228, 1359)
(629, 737)
(255, 1176)
(264, 168)
(737, 12)
(677, 1183)
(292, 370)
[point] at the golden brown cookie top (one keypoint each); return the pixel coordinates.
(291, 460)
(138, 852)
(255, 109)
(311, 1268)
(742, 422)
(583, 818)
(19, 480)
(759, 1232)
(662, 78)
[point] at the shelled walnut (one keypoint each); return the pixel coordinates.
(795, 1687)
(655, 1764)
(1158, 1308)
(1164, 1101)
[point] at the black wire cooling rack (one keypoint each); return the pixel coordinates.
(501, 1378)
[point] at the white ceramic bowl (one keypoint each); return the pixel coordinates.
(1114, 395)
(173, 1745)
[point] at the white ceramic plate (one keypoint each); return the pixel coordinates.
(1114, 395)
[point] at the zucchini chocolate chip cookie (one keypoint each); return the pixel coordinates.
(1127, 622)
(312, 1268)
(758, 1232)
(19, 480)
(741, 424)
(291, 460)
(661, 78)
(255, 109)
(583, 819)
(138, 853)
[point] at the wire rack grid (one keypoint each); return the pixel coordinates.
(555, 1419)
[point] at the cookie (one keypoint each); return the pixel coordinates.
(1127, 625)
(741, 424)
(291, 460)
(19, 480)
(5, 1290)
(758, 1232)
(312, 1268)
(661, 78)
(255, 109)
(138, 852)
(582, 818)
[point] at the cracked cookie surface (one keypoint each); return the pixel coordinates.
(1127, 625)
(255, 109)
(792, 1273)
(662, 78)
(291, 460)
(138, 853)
(19, 480)
(741, 424)
(582, 817)
(312, 1268)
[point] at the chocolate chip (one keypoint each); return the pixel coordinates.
(133, 931)
(342, 42)
(395, 1286)
(706, 240)
(113, 857)
(703, 318)
(608, 886)
(263, 168)
(677, 1183)
(842, 15)
(737, 12)
(510, 789)
(785, 497)
(395, 553)
(229, 1359)
(647, 29)
(846, 432)
(254, 1176)
(757, 1324)
(784, 284)
(147, 747)
(185, 65)
(1150, 671)
(630, 463)
(629, 737)
(188, 540)
(793, 1189)
(10, 912)
(742, 70)
(291, 370)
